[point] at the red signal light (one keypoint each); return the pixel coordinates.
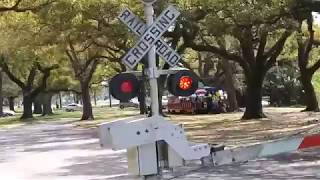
(126, 87)
(185, 82)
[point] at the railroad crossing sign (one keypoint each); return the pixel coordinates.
(150, 37)
(139, 28)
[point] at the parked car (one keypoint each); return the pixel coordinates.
(73, 107)
(164, 102)
(265, 101)
(8, 113)
(128, 104)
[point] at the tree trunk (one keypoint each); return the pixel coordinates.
(87, 107)
(75, 98)
(200, 65)
(254, 95)
(27, 107)
(1, 96)
(94, 97)
(60, 100)
(11, 103)
(230, 87)
(37, 104)
(310, 95)
(46, 105)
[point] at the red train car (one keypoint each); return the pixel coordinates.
(197, 103)
(190, 104)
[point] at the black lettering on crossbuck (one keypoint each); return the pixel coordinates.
(139, 29)
(150, 36)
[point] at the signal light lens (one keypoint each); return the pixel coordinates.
(126, 87)
(185, 82)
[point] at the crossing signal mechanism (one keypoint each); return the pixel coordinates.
(183, 83)
(124, 87)
(142, 147)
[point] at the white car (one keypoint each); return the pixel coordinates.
(132, 103)
(164, 102)
(8, 113)
(73, 107)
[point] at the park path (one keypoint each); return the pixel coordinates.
(59, 151)
(55, 151)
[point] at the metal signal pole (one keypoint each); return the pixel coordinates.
(152, 70)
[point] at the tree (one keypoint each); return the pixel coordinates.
(17, 6)
(84, 27)
(305, 49)
(260, 29)
(23, 56)
(10, 91)
(23, 5)
(28, 90)
(282, 84)
(60, 79)
(305, 46)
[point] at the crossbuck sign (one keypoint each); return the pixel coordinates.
(150, 37)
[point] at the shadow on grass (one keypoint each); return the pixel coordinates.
(101, 115)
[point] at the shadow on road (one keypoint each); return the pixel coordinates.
(302, 165)
(59, 151)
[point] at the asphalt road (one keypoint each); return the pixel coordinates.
(56, 151)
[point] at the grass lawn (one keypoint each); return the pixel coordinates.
(226, 129)
(101, 114)
(230, 130)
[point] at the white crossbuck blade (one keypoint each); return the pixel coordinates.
(151, 37)
(139, 28)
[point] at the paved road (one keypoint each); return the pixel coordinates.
(56, 151)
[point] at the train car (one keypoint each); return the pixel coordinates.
(200, 102)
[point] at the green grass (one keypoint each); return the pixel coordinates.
(100, 114)
(10, 121)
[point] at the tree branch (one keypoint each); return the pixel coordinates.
(262, 44)
(315, 67)
(12, 77)
(99, 44)
(278, 45)
(92, 69)
(277, 51)
(46, 74)
(63, 89)
(220, 52)
(31, 76)
(247, 46)
(16, 8)
(309, 44)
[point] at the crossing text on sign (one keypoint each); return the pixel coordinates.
(167, 53)
(134, 23)
(151, 36)
(138, 27)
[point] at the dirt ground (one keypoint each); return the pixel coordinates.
(230, 130)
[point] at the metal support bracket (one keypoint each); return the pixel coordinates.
(144, 131)
(152, 73)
